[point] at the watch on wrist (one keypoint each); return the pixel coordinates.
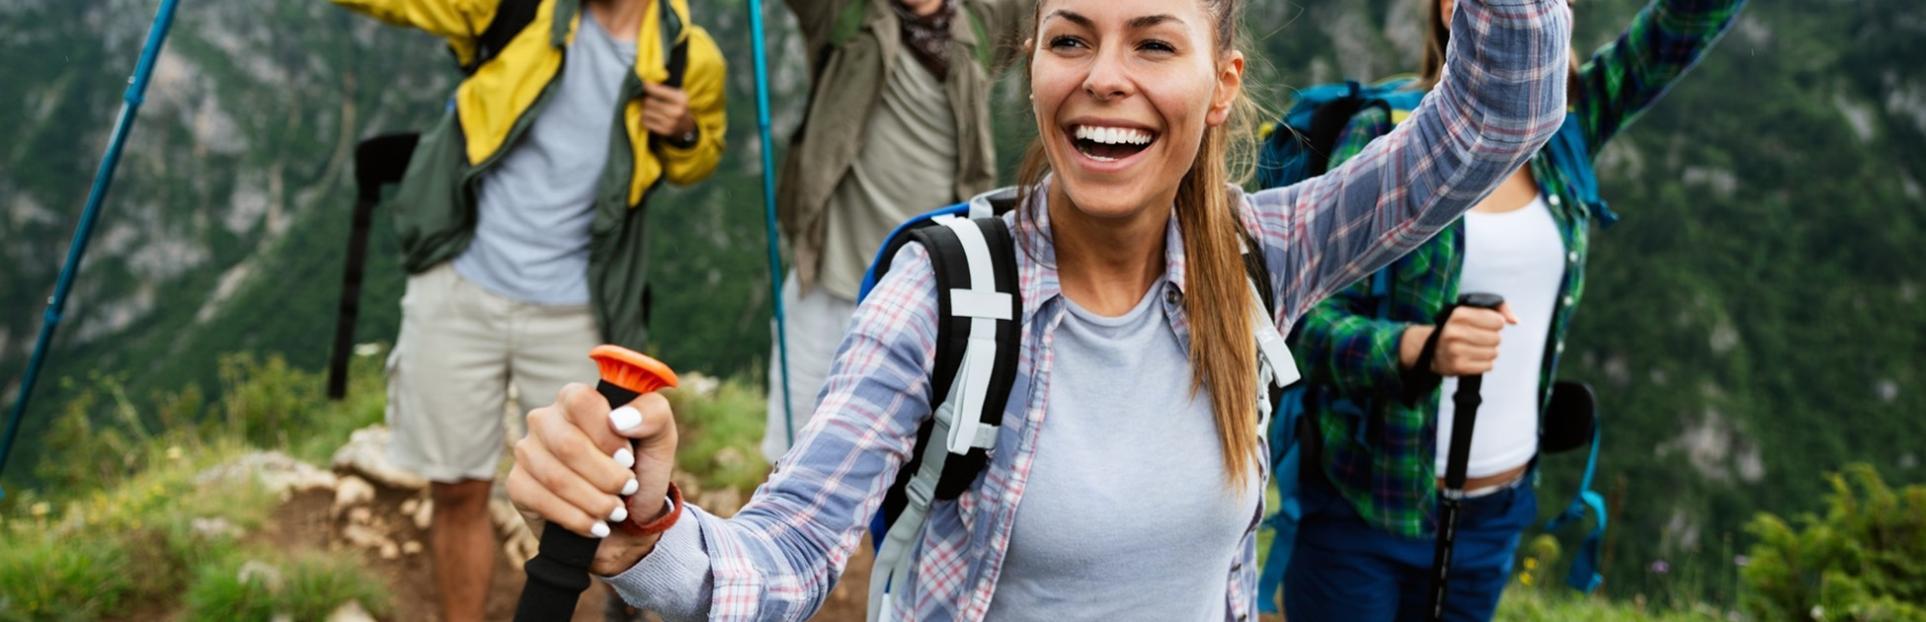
(687, 139)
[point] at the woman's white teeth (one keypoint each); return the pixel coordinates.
(1113, 135)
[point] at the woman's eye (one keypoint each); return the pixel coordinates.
(1062, 42)
(1154, 45)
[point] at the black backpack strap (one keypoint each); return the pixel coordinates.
(954, 269)
(511, 16)
(672, 27)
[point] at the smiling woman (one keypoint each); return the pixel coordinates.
(1137, 113)
(1106, 495)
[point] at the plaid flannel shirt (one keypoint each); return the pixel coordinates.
(1378, 438)
(779, 557)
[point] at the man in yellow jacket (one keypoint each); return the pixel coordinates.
(521, 224)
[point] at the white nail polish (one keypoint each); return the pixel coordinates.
(600, 530)
(629, 488)
(624, 458)
(625, 419)
(620, 514)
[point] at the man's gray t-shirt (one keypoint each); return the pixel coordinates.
(534, 209)
(1127, 514)
(907, 166)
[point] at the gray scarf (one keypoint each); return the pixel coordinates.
(928, 37)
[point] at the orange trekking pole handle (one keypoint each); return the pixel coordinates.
(559, 572)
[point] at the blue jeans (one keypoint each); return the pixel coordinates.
(1345, 569)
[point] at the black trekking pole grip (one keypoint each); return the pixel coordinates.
(559, 572)
(1464, 417)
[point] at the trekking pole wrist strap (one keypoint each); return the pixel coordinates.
(672, 511)
(1420, 379)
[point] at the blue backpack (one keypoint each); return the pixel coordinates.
(1298, 147)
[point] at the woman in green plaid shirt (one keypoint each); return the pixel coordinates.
(1364, 546)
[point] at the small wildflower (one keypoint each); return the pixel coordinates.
(39, 510)
(1525, 579)
(1818, 612)
(174, 453)
(1661, 567)
(1531, 563)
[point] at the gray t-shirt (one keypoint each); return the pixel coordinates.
(531, 240)
(907, 166)
(1127, 514)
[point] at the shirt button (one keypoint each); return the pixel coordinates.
(1553, 200)
(1569, 301)
(1572, 256)
(1561, 347)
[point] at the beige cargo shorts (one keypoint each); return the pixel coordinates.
(460, 351)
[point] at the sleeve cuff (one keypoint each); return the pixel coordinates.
(675, 572)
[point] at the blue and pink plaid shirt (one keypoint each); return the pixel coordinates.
(1503, 95)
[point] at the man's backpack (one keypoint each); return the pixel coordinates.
(513, 16)
(978, 338)
(1299, 147)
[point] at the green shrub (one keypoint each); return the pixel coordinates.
(304, 587)
(1864, 560)
(720, 435)
(45, 578)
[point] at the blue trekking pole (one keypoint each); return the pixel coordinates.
(103, 177)
(769, 210)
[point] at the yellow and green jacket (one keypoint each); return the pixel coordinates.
(494, 105)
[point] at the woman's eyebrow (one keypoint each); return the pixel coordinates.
(1072, 16)
(1153, 20)
(1138, 23)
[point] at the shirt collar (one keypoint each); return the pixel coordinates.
(1037, 250)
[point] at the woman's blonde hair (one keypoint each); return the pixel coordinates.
(1218, 302)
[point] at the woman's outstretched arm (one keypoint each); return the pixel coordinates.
(1632, 72)
(1501, 97)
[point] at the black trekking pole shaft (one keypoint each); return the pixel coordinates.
(560, 569)
(1464, 418)
(350, 307)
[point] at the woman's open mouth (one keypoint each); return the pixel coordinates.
(1110, 144)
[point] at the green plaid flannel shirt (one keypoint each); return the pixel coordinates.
(1378, 435)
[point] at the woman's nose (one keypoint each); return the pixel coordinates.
(1108, 78)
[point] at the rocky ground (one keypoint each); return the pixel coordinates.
(362, 504)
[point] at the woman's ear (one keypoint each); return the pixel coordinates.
(1230, 83)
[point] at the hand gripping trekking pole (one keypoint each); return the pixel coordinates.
(559, 572)
(1464, 416)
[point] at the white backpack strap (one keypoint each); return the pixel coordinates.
(893, 561)
(1275, 365)
(983, 306)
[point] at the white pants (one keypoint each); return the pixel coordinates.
(816, 325)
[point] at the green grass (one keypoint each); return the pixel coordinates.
(302, 587)
(720, 435)
(121, 520)
(112, 525)
(1522, 604)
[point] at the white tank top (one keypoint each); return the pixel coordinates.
(1519, 255)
